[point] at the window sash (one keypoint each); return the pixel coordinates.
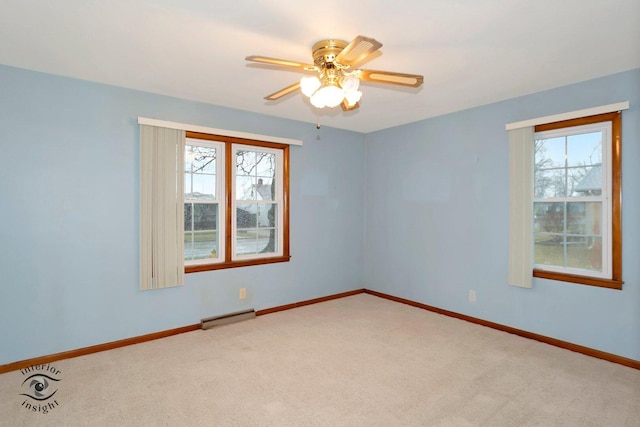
(604, 199)
(218, 200)
(277, 201)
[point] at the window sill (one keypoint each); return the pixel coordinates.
(582, 280)
(233, 264)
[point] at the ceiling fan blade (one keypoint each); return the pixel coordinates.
(281, 62)
(346, 107)
(282, 92)
(357, 50)
(403, 79)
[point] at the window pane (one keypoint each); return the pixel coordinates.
(265, 189)
(200, 159)
(549, 183)
(255, 172)
(252, 188)
(549, 153)
(246, 243)
(585, 254)
(548, 217)
(256, 228)
(255, 241)
(548, 249)
(584, 149)
(267, 240)
(587, 181)
(202, 187)
(549, 226)
(584, 218)
(267, 214)
(205, 216)
(200, 172)
(201, 236)
(246, 215)
(576, 244)
(584, 238)
(255, 163)
(575, 177)
(245, 188)
(584, 158)
(256, 215)
(266, 165)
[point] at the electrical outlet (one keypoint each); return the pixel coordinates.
(243, 293)
(472, 296)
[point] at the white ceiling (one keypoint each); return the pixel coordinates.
(470, 52)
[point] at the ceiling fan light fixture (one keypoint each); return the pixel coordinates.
(331, 93)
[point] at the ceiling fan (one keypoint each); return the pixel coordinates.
(337, 80)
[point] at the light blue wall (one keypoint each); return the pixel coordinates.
(69, 217)
(434, 195)
(436, 206)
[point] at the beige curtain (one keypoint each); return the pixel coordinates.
(521, 206)
(161, 207)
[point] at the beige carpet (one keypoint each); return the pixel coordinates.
(356, 361)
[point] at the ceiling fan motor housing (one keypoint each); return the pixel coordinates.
(325, 52)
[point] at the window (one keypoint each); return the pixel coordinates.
(576, 201)
(203, 192)
(257, 205)
(235, 202)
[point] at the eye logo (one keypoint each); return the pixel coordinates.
(39, 384)
(39, 387)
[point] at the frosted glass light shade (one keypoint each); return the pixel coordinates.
(309, 85)
(331, 95)
(352, 97)
(350, 83)
(317, 100)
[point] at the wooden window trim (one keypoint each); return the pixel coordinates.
(616, 281)
(228, 262)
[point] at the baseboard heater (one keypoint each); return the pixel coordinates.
(225, 319)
